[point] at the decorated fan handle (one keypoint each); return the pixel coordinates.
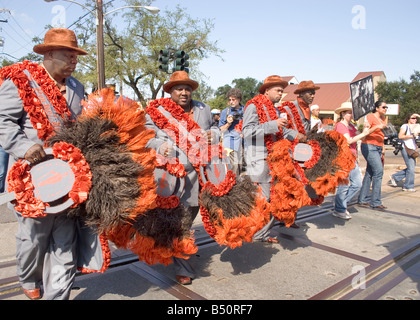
(48, 152)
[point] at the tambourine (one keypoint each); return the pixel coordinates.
(215, 171)
(52, 179)
(167, 184)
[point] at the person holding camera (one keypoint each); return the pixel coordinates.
(232, 139)
(408, 136)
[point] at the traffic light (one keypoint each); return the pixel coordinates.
(181, 62)
(164, 60)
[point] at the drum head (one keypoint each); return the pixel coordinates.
(52, 179)
(302, 152)
(215, 172)
(167, 184)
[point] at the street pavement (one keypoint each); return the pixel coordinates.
(373, 256)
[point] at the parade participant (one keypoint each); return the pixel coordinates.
(346, 192)
(408, 135)
(34, 100)
(374, 152)
(180, 87)
(306, 94)
(261, 127)
(232, 139)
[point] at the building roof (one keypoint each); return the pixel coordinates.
(329, 97)
(362, 75)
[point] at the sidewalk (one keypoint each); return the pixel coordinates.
(324, 259)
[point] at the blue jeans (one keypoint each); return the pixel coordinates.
(4, 162)
(346, 192)
(407, 173)
(373, 175)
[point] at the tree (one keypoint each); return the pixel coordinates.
(249, 87)
(406, 94)
(132, 51)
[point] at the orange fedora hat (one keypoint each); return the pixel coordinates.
(305, 86)
(59, 38)
(179, 77)
(272, 81)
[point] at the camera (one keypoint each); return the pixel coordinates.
(236, 116)
(397, 144)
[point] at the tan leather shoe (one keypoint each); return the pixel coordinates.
(33, 294)
(184, 280)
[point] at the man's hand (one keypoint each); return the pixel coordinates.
(35, 154)
(166, 149)
(301, 137)
(281, 122)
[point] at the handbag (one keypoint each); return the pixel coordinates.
(411, 152)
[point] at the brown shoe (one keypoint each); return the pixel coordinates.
(365, 205)
(381, 207)
(271, 240)
(184, 280)
(33, 294)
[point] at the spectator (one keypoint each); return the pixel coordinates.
(232, 139)
(345, 193)
(315, 120)
(374, 152)
(4, 162)
(216, 117)
(408, 136)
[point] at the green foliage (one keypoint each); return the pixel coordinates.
(132, 49)
(249, 87)
(406, 94)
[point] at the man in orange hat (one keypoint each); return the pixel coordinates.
(262, 126)
(34, 101)
(180, 88)
(306, 94)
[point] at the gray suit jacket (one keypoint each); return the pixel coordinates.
(17, 134)
(306, 122)
(255, 148)
(203, 117)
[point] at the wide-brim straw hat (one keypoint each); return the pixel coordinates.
(179, 77)
(306, 86)
(272, 81)
(59, 38)
(345, 106)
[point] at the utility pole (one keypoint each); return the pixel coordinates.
(5, 21)
(100, 44)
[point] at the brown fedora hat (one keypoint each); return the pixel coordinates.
(306, 86)
(59, 38)
(179, 77)
(272, 81)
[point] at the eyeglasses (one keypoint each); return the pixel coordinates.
(384, 107)
(415, 118)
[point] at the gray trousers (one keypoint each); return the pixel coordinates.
(264, 233)
(46, 254)
(185, 267)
